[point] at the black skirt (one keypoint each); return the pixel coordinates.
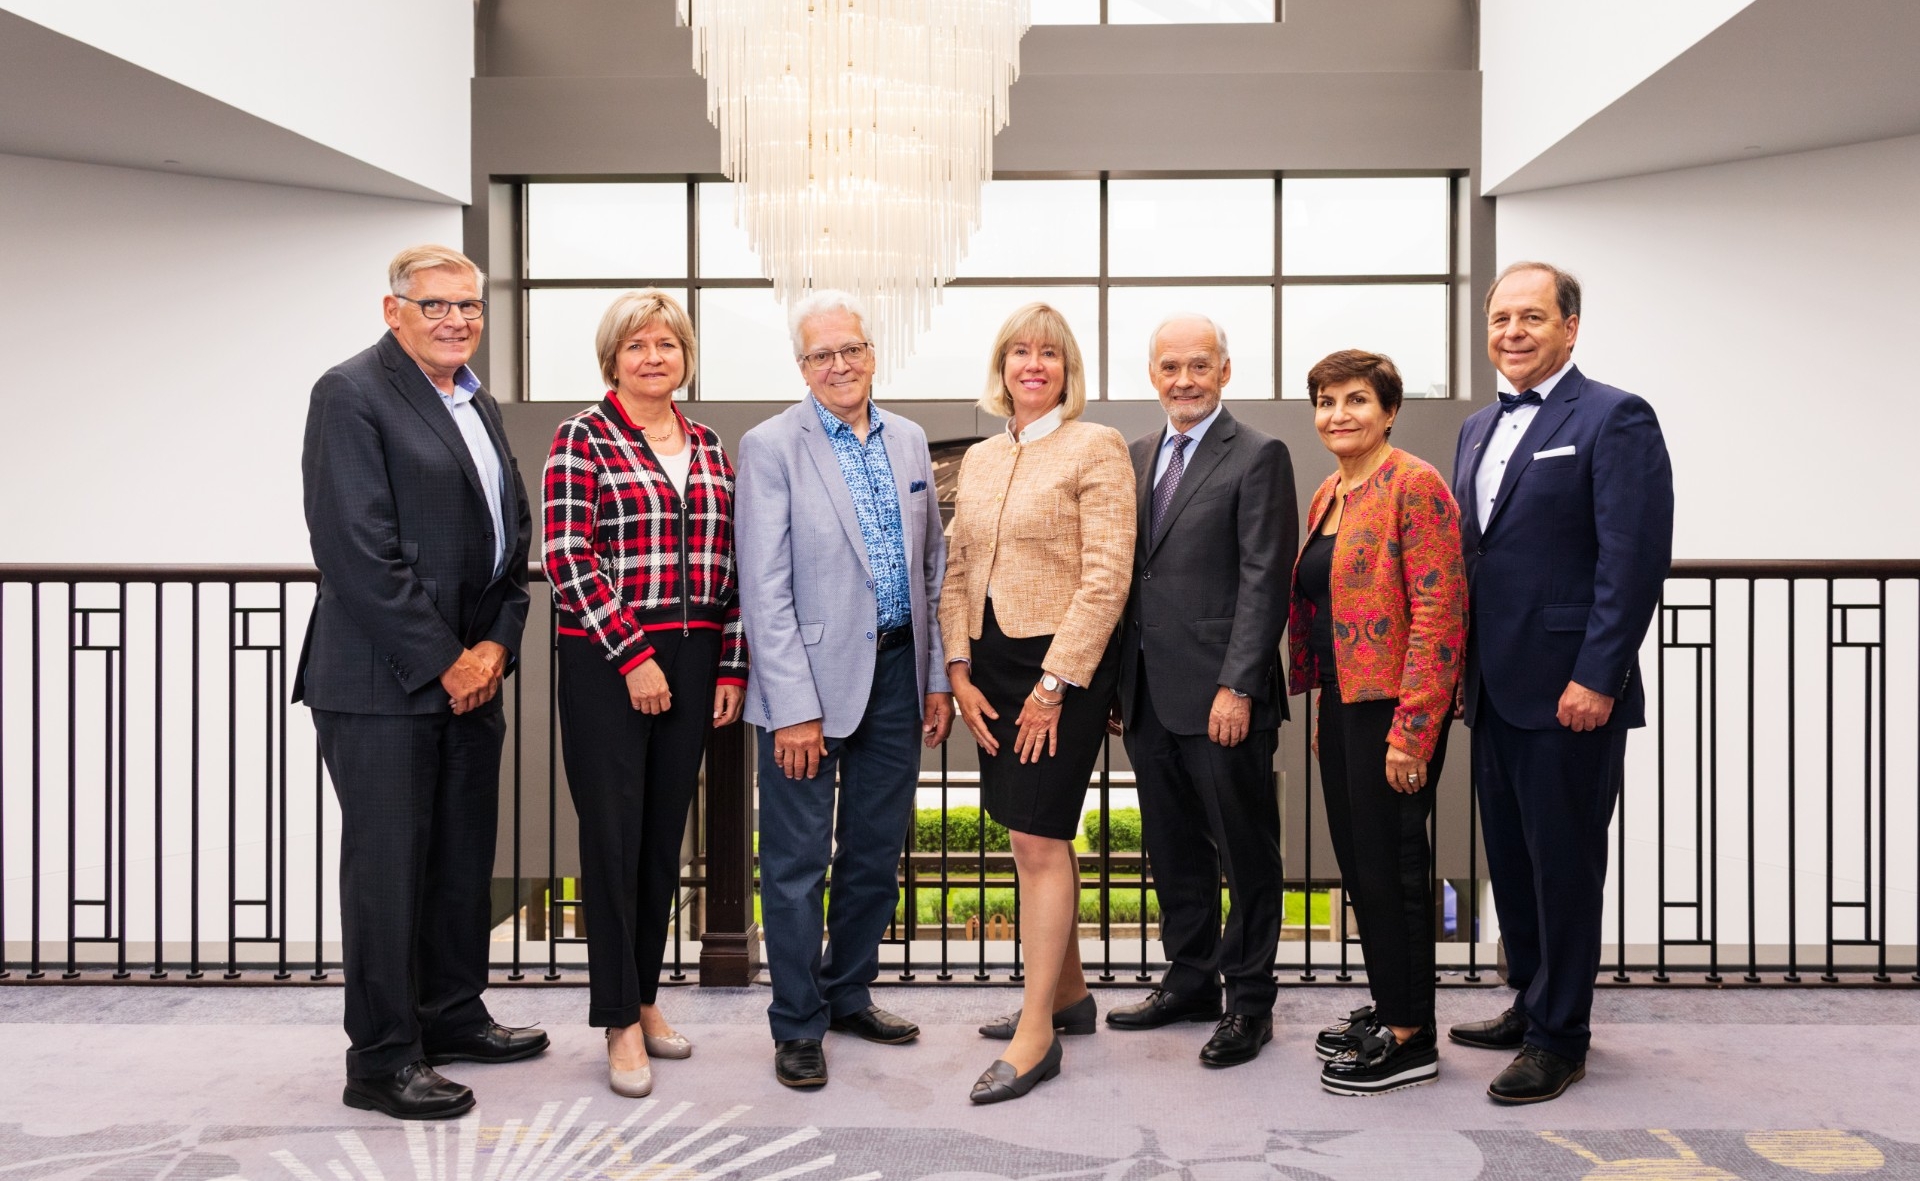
(1048, 797)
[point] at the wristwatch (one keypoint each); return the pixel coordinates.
(1051, 683)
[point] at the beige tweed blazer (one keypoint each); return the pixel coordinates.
(1051, 525)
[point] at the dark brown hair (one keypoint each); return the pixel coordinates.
(1566, 288)
(1376, 369)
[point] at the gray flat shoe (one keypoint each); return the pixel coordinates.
(1081, 1017)
(633, 1084)
(1000, 1082)
(674, 1045)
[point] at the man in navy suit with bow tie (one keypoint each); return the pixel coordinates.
(1567, 523)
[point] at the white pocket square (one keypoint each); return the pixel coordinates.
(1557, 451)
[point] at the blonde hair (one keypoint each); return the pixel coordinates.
(1041, 323)
(414, 259)
(629, 313)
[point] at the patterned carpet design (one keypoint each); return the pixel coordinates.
(206, 1084)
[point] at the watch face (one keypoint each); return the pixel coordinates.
(1050, 683)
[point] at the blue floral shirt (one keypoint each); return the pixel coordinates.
(876, 502)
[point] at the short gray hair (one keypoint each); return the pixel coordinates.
(1219, 333)
(821, 303)
(414, 259)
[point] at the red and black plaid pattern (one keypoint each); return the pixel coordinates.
(613, 539)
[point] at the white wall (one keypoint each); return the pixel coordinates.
(386, 81)
(1546, 68)
(1766, 310)
(163, 333)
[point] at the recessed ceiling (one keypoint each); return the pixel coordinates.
(1780, 76)
(62, 99)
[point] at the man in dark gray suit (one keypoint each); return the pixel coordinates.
(420, 530)
(1200, 691)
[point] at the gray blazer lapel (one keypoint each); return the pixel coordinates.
(1556, 410)
(407, 377)
(1207, 456)
(827, 465)
(903, 466)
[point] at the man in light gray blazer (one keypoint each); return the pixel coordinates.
(841, 553)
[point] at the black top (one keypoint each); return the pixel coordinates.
(1316, 582)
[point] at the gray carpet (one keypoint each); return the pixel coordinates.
(140, 1083)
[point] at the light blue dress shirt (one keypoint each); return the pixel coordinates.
(1196, 432)
(486, 457)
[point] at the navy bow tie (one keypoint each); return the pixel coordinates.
(1510, 402)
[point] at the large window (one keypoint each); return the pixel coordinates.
(1292, 268)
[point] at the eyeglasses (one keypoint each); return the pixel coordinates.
(856, 355)
(437, 309)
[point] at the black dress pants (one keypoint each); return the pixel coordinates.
(1380, 840)
(1205, 809)
(1546, 801)
(419, 803)
(632, 776)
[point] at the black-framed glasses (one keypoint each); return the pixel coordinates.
(856, 354)
(437, 309)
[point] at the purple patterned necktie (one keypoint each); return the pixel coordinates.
(1170, 480)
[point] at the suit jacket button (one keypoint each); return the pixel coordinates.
(869, 635)
(1481, 550)
(1146, 574)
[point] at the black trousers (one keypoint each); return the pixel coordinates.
(1380, 840)
(1207, 809)
(419, 803)
(1546, 799)
(632, 776)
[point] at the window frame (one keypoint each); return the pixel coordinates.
(1453, 281)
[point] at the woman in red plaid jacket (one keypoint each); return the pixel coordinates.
(639, 550)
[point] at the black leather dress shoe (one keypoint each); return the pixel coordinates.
(1077, 1018)
(876, 1025)
(1000, 1082)
(412, 1092)
(1508, 1031)
(492, 1042)
(800, 1063)
(1237, 1039)
(1164, 1008)
(1536, 1076)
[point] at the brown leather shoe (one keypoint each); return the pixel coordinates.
(1536, 1076)
(412, 1092)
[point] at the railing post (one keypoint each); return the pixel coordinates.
(730, 945)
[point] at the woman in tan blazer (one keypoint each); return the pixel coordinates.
(1037, 574)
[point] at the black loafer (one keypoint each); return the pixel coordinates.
(1237, 1039)
(1076, 1019)
(876, 1025)
(1341, 1036)
(800, 1063)
(1164, 1008)
(1536, 1076)
(1508, 1031)
(492, 1042)
(1000, 1082)
(412, 1092)
(1382, 1063)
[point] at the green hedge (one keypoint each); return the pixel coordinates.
(963, 831)
(1123, 828)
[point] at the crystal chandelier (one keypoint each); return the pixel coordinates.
(858, 134)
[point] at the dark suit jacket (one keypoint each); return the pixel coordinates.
(404, 541)
(1209, 594)
(1564, 581)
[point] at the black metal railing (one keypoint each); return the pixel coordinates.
(164, 813)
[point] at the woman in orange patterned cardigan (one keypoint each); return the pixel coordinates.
(1378, 625)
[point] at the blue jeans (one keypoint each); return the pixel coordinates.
(879, 767)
